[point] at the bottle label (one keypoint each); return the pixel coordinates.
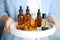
(43, 23)
(39, 28)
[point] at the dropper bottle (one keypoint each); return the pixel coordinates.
(20, 18)
(27, 16)
(38, 20)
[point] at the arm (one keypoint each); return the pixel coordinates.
(52, 15)
(3, 14)
(52, 9)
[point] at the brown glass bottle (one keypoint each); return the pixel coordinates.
(38, 18)
(27, 16)
(20, 16)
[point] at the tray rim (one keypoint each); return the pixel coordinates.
(26, 32)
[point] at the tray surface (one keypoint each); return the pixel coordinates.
(31, 34)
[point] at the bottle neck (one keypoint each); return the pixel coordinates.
(27, 12)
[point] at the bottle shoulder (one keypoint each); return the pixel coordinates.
(28, 14)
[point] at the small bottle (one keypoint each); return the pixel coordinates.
(33, 26)
(44, 22)
(38, 20)
(27, 16)
(20, 17)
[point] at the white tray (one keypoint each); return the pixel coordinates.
(31, 34)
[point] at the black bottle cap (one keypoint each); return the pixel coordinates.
(27, 10)
(44, 16)
(20, 10)
(45, 28)
(38, 13)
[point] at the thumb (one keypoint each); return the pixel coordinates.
(8, 23)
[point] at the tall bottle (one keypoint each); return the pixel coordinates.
(27, 16)
(38, 20)
(20, 17)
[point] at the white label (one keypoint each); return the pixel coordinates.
(39, 28)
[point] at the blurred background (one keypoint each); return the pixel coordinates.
(56, 36)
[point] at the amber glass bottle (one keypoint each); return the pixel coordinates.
(38, 18)
(20, 16)
(27, 16)
(27, 19)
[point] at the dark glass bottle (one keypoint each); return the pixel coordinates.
(20, 16)
(27, 16)
(38, 18)
(44, 22)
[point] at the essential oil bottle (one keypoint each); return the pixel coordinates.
(33, 26)
(44, 22)
(20, 17)
(27, 16)
(38, 20)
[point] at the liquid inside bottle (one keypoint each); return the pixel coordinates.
(38, 18)
(33, 26)
(44, 22)
(27, 16)
(20, 17)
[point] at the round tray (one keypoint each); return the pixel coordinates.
(31, 34)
